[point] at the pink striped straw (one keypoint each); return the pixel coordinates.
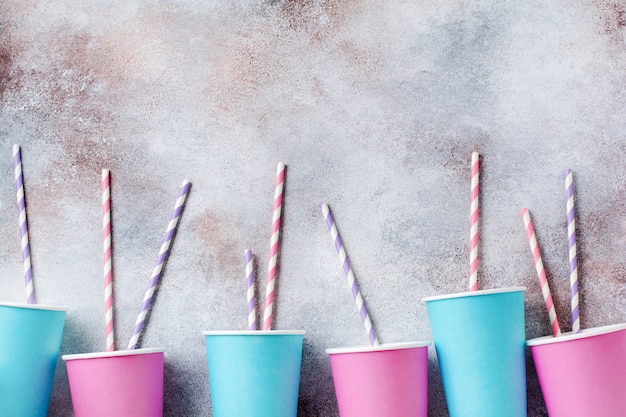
(268, 313)
(108, 271)
(250, 280)
(541, 273)
(475, 184)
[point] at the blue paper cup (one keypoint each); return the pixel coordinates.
(479, 337)
(30, 338)
(254, 373)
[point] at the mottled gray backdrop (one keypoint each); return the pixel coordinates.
(374, 106)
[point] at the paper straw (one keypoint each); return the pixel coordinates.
(541, 273)
(156, 272)
(23, 223)
(108, 271)
(571, 242)
(268, 313)
(347, 269)
(475, 185)
(250, 278)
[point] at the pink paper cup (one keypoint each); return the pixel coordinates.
(583, 374)
(124, 383)
(389, 380)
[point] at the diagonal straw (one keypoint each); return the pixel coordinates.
(571, 242)
(250, 280)
(23, 223)
(475, 184)
(156, 272)
(268, 313)
(347, 269)
(541, 273)
(108, 271)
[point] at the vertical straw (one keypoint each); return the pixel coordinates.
(23, 223)
(268, 313)
(347, 269)
(156, 272)
(250, 278)
(106, 250)
(571, 242)
(541, 273)
(475, 184)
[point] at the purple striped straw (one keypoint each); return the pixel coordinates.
(571, 243)
(347, 269)
(250, 278)
(23, 223)
(156, 272)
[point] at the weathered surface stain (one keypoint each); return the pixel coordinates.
(611, 17)
(5, 67)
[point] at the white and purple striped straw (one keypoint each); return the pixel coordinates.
(156, 272)
(23, 223)
(347, 269)
(250, 282)
(571, 242)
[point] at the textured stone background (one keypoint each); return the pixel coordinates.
(374, 107)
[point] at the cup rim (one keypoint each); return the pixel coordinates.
(583, 334)
(474, 293)
(33, 306)
(252, 332)
(115, 353)
(378, 348)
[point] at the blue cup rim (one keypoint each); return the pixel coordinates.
(115, 353)
(474, 293)
(33, 306)
(252, 332)
(583, 334)
(378, 348)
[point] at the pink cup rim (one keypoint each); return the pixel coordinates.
(33, 306)
(583, 334)
(115, 353)
(378, 348)
(474, 293)
(252, 332)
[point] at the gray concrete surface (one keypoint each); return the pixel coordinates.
(373, 106)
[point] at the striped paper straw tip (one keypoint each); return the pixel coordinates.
(541, 273)
(250, 282)
(268, 312)
(475, 184)
(107, 267)
(347, 269)
(571, 243)
(158, 268)
(23, 225)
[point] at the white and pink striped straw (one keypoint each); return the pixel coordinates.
(158, 268)
(250, 284)
(475, 187)
(108, 270)
(347, 269)
(268, 313)
(23, 223)
(541, 273)
(571, 243)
